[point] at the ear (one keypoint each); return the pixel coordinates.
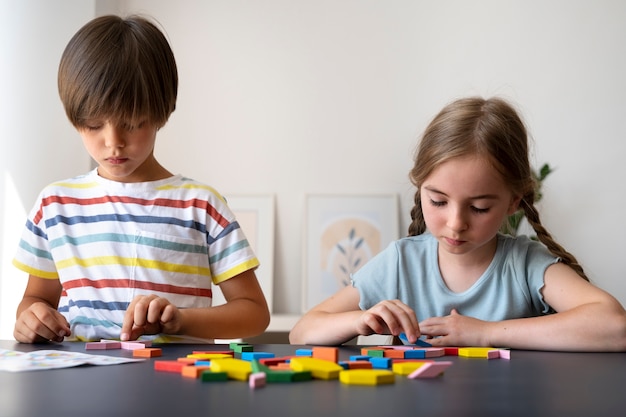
(514, 204)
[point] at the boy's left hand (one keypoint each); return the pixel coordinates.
(149, 314)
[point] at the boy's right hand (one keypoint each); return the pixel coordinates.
(390, 317)
(40, 323)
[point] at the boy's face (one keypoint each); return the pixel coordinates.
(124, 153)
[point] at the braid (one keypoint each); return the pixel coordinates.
(532, 215)
(417, 226)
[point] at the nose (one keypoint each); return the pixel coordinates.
(114, 137)
(457, 220)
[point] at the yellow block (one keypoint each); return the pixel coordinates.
(209, 355)
(366, 376)
(234, 368)
(479, 352)
(405, 368)
(319, 368)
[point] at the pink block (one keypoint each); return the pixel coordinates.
(429, 370)
(504, 354)
(257, 380)
(434, 352)
(102, 345)
(135, 345)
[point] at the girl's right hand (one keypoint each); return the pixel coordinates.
(389, 317)
(40, 323)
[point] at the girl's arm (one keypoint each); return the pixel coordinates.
(37, 318)
(245, 314)
(339, 319)
(586, 319)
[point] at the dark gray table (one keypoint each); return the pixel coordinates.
(530, 384)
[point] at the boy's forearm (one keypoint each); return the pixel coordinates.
(236, 319)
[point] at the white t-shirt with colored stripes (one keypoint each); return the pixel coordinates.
(108, 242)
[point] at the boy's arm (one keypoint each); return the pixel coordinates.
(37, 318)
(245, 314)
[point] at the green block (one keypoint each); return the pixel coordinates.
(210, 376)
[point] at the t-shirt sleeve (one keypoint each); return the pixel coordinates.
(377, 280)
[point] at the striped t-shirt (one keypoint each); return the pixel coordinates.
(108, 242)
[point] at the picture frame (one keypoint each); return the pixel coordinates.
(341, 233)
(256, 217)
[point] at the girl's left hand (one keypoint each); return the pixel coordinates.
(454, 330)
(150, 314)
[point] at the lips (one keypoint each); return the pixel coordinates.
(116, 161)
(454, 242)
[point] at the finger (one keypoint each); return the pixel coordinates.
(155, 310)
(128, 322)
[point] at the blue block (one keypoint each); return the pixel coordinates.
(380, 363)
(248, 356)
(414, 354)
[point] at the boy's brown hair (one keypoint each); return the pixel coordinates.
(118, 69)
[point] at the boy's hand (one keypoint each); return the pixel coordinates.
(150, 314)
(40, 323)
(389, 317)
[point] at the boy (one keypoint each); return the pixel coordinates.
(130, 249)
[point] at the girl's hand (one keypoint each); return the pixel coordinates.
(150, 314)
(455, 330)
(40, 323)
(389, 317)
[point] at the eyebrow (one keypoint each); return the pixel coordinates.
(477, 197)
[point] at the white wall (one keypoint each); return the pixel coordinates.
(292, 97)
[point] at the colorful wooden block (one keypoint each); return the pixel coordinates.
(169, 366)
(213, 376)
(406, 368)
(319, 368)
(360, 364)
(380, 363)
(147, 352)
(366, 377)
(103, 345)
(257, 380)
(328, 353)
(479, 352)
(194, 371)
(235, 368)
(248, 356)
(430, 370)
(133, 345)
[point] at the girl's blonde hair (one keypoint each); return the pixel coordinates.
(490, 128)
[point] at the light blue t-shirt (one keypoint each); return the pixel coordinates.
(408, 270)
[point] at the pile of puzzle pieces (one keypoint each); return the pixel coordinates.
(375, 365)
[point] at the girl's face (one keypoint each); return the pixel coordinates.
(464, 202)
(123, 153)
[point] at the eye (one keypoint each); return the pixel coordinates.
(480, 210)
(437, 203)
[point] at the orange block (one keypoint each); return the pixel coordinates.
(169, 366)
(192, 371)
(147, 352)
(327, 353)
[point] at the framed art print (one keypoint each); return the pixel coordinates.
(342, 232)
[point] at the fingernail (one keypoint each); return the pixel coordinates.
(124, 337)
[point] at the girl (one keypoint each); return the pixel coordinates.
(456, 280)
